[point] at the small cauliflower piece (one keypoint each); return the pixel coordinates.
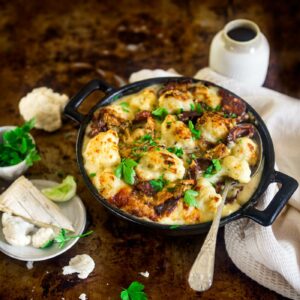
(214, 127)
(156, 163)
(245, 149)
(45, 106)
(82, 264)
(42, 236)
(108, 184)
(16, 230)
(236, 168)
(208, 95)
(176, 100)
(102, 151)
(176, 133)
(207, 197)
(145, 100)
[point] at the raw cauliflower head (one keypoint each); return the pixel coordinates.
(45, 106)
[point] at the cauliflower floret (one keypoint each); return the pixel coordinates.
(102, 151)
(145, 100)
(246, 149)
(45, 106)
(175, 100)
(236, 168)
(208, 95)
(160, 163)
(42, 236)
(82, 264)
(16, 230)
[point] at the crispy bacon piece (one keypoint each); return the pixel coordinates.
(97, 125)
(240, 131)
(121, 198)
(146, 188)
(142, 116)
(231, 104)
(166, 207)
(188, 115)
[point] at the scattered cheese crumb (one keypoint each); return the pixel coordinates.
(81, 264)
(145, 274)
(83, 296)
(29, 265)
(45, 106)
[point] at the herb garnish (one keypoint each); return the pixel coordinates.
(192, 105)
(134, 292)
(176, 150)
(189, 198)
(62, 238)
(158, 184)
(147, 138)
(17, 146)
(125, 106)
(92, 175)
(196, 133)
(213, 168)
(218, 108)
(173, 226)
(199, 108)
(126, 170)
(160, 113)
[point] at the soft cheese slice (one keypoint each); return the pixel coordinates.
(23, 199)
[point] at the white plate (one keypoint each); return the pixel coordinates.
(74, 210)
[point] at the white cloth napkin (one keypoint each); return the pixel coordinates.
(269, 255)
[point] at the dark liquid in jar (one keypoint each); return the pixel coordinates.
(242, 34)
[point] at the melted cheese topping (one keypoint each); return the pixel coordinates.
(102, 151)
(160, 163)
(208, 95)
(245, 149)
(175, 100)
(176, 133)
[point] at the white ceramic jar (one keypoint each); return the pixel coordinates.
(246, 61)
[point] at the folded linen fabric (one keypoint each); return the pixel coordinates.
(269, 255)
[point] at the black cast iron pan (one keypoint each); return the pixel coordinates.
(287, 185)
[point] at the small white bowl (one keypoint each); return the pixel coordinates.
(12, 172)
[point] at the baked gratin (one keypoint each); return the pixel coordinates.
(163, 154)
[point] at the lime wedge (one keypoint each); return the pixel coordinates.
(62, 192)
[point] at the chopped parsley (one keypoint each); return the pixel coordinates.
(176, 150)
(125, 106)
(192, 105)
(189, 198)
(92, 175)
(213, 168)
(218, 108)
(160, 113)
(126, 170)
(62, 238)
(135, 291)
(147, 138)
(158, 184)
(199, 108)
(196, 133)
(18, 146)
(173, 226)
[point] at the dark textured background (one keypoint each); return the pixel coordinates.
(63, 44)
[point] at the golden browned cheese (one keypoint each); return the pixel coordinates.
(163, 153)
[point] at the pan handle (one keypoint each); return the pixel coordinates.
(267, 216)
(71, 109)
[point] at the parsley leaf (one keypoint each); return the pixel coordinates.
(173, 226)
(176, 150)
(189, 198)
(196, 133)
(18, 146)
(199, 108)
(126, 170)
(213, 168)
(160, 113)
(218, 108)
(62, 238)
(92, 175)
(134, 292)
(192, 105)
(125, 106)
(158, 184)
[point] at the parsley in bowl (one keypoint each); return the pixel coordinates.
(17, 150)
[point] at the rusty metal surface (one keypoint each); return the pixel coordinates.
(63, 44)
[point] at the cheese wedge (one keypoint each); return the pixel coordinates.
(23, 199)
